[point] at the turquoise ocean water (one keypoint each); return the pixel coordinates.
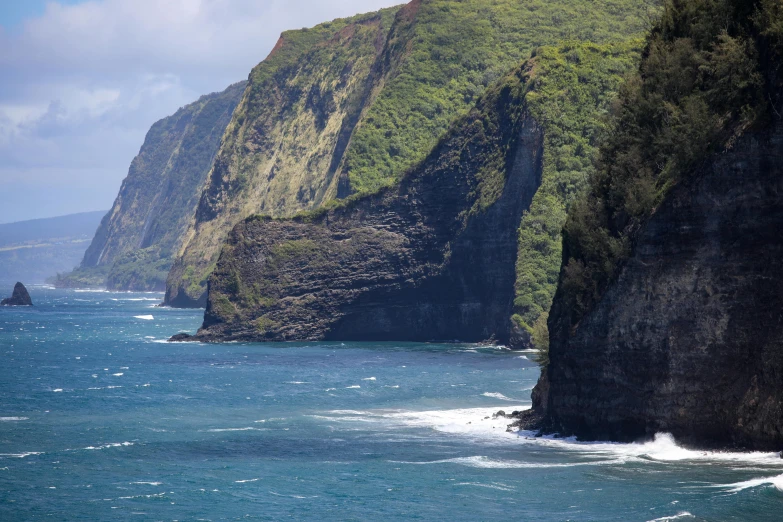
(100, 419)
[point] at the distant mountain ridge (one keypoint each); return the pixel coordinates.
(37, 249)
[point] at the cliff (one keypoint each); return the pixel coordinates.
(667, 315)
(137, 239)
(350, 106)
(283, 146)
(426, 259)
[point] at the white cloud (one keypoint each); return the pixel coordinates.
(83, 83)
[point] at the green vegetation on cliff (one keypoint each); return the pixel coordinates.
(709, 73)
(571, 89)
(448, 52)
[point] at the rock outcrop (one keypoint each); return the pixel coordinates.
(429, 259)
(20, 297)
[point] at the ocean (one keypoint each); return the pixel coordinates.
(101, 419)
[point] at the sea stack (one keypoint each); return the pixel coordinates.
(20, 297)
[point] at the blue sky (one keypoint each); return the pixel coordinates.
(83, 81)
(14, 12)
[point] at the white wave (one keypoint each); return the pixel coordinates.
(218, 430)
(480, 461)
(662, 449)
(496, 395)
(149, 337)
(369, 379)
(479, 423)
(297, 382)
(352, 387)
(292, 496)
(118, 374)
(678, 516)
(113, 387)
(473, 422)
(245, 481)
(21, 455)
(330, 389)
(110, 445)
(494, 485)
(57, 390)
(136, 299)
(156, 495)
(148, 483)
(776, 481)
(393, 386)
(144, 317)
(10, 419)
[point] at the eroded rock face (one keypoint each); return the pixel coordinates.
(430, 259)
(20, 297)
(689, 339)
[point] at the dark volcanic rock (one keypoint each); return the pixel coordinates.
(180, 338)
(689, 339)
(430, 259)
(20, 297)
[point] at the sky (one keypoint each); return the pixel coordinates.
(81, 82)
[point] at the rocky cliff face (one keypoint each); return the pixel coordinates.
(431, 258)
(283, 147)
(349, 106)
(136, 241)
(689, 340)
(667, 316)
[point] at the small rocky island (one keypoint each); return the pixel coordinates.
(20, 297)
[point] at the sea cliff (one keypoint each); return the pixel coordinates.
(667, 315)
(431, 258)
